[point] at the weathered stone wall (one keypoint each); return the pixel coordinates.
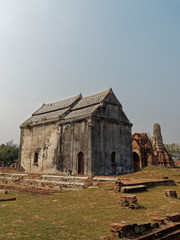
(109, 137)
(41, 139)
(92, 137)
(76, 138)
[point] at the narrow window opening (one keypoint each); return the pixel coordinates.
(113, 158)
(81, 163)
(36, 156)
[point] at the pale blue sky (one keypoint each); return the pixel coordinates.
(55, 49)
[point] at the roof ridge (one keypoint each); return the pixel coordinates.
(108, 91)
(98, 93)
(46, 104)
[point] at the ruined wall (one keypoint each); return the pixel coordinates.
(143, 147)
(109, 137)
(76, 138)
(41, 140)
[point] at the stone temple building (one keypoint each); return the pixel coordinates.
(87, 136)
(146, 153)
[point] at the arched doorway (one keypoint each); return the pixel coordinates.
(81, 163)
(136, 161)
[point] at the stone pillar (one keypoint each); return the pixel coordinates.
(157, 138)
(89, 160)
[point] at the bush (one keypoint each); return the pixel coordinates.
(8, 153)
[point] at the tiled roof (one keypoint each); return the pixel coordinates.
(82, 112)
(57, 105)
(69, 108)
(91, 100)
(46, 116)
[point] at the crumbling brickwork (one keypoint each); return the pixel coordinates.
(146, 153)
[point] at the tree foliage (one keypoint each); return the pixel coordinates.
(174, 150)
(8, 153)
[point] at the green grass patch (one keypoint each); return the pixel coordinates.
(153, 172)
(75, 215)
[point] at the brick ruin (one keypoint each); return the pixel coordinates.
(146, 153)
(167, 228)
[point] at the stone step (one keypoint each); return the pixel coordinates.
(53, 184)
(31, 190)
(14, 175)
(132, 189)
(7, 180)
(52, 181)
(64, 178)
(103, 179)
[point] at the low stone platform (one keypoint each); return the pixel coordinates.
(48, 181)
(31, 190)
(168, 232)
(103, 179)
(146, 231)
(53, 184)
(126, 229)
(148, 183)
(133, 189)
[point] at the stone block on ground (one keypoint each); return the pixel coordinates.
(170, 193)
(158, 220)
(132, 189)
(118, 185)
(128, 230)
(173, 217)
(123, 229)
(129, 201)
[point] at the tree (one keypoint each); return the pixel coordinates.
(174, 150)
(8, 153)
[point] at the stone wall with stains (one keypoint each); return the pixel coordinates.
(41, 140)
(109, 138)
(75, 138)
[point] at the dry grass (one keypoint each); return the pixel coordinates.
(76, 215)
(153, 172)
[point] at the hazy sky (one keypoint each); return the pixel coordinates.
(55, 49)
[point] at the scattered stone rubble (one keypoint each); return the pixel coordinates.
(125, 229)
(167, 228)
(173, 217)
(158, 220)
(170, 193)
(129, 201)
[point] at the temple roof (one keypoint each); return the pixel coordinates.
(72, 108)
(64, 104)
(91, 100)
